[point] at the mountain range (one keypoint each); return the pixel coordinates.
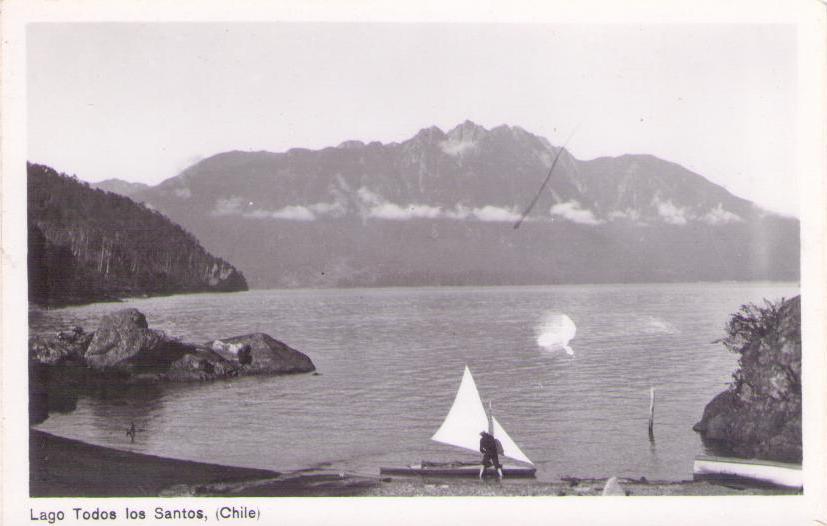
(440, 209)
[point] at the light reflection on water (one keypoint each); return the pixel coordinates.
(391, 361)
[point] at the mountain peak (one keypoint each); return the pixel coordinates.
(350, 145)
(431, 134)
(467, 130)
(463, 139)
(520, 135)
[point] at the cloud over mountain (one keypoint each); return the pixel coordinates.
(572, 211)
(674, 215)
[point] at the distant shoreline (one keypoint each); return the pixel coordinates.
(62, 467)
(122, 299)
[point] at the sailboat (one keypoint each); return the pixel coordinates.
(461, 428)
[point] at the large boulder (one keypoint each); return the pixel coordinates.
(124, 341)
(760, 414)
(259, 353)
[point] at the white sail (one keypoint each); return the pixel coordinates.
(466, 418)
(510, 449)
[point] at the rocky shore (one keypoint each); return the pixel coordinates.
(759, 416)
(123, 350)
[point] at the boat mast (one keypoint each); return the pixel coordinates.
(490, 422)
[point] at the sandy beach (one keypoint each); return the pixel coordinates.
(61, 467)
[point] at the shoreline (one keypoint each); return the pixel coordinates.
(114, 300)
(63, 467)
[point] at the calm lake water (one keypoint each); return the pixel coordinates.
(391, 361)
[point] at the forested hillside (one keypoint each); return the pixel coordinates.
(90, 245)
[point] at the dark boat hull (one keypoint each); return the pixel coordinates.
(456, 470)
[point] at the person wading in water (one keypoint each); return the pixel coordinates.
(490, 448)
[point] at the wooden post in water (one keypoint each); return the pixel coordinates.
(651, 413)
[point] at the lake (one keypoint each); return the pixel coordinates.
(390, 362)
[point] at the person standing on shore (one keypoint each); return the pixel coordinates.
(489, 447)
(131, 432)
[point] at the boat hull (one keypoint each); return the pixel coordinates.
(456, 470)
(751, 471)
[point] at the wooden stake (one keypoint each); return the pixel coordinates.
(651, 413)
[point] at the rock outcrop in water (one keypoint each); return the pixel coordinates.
(124, 350)
(259, 352)
(760, 414)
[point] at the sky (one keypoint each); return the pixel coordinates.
(143, 101)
